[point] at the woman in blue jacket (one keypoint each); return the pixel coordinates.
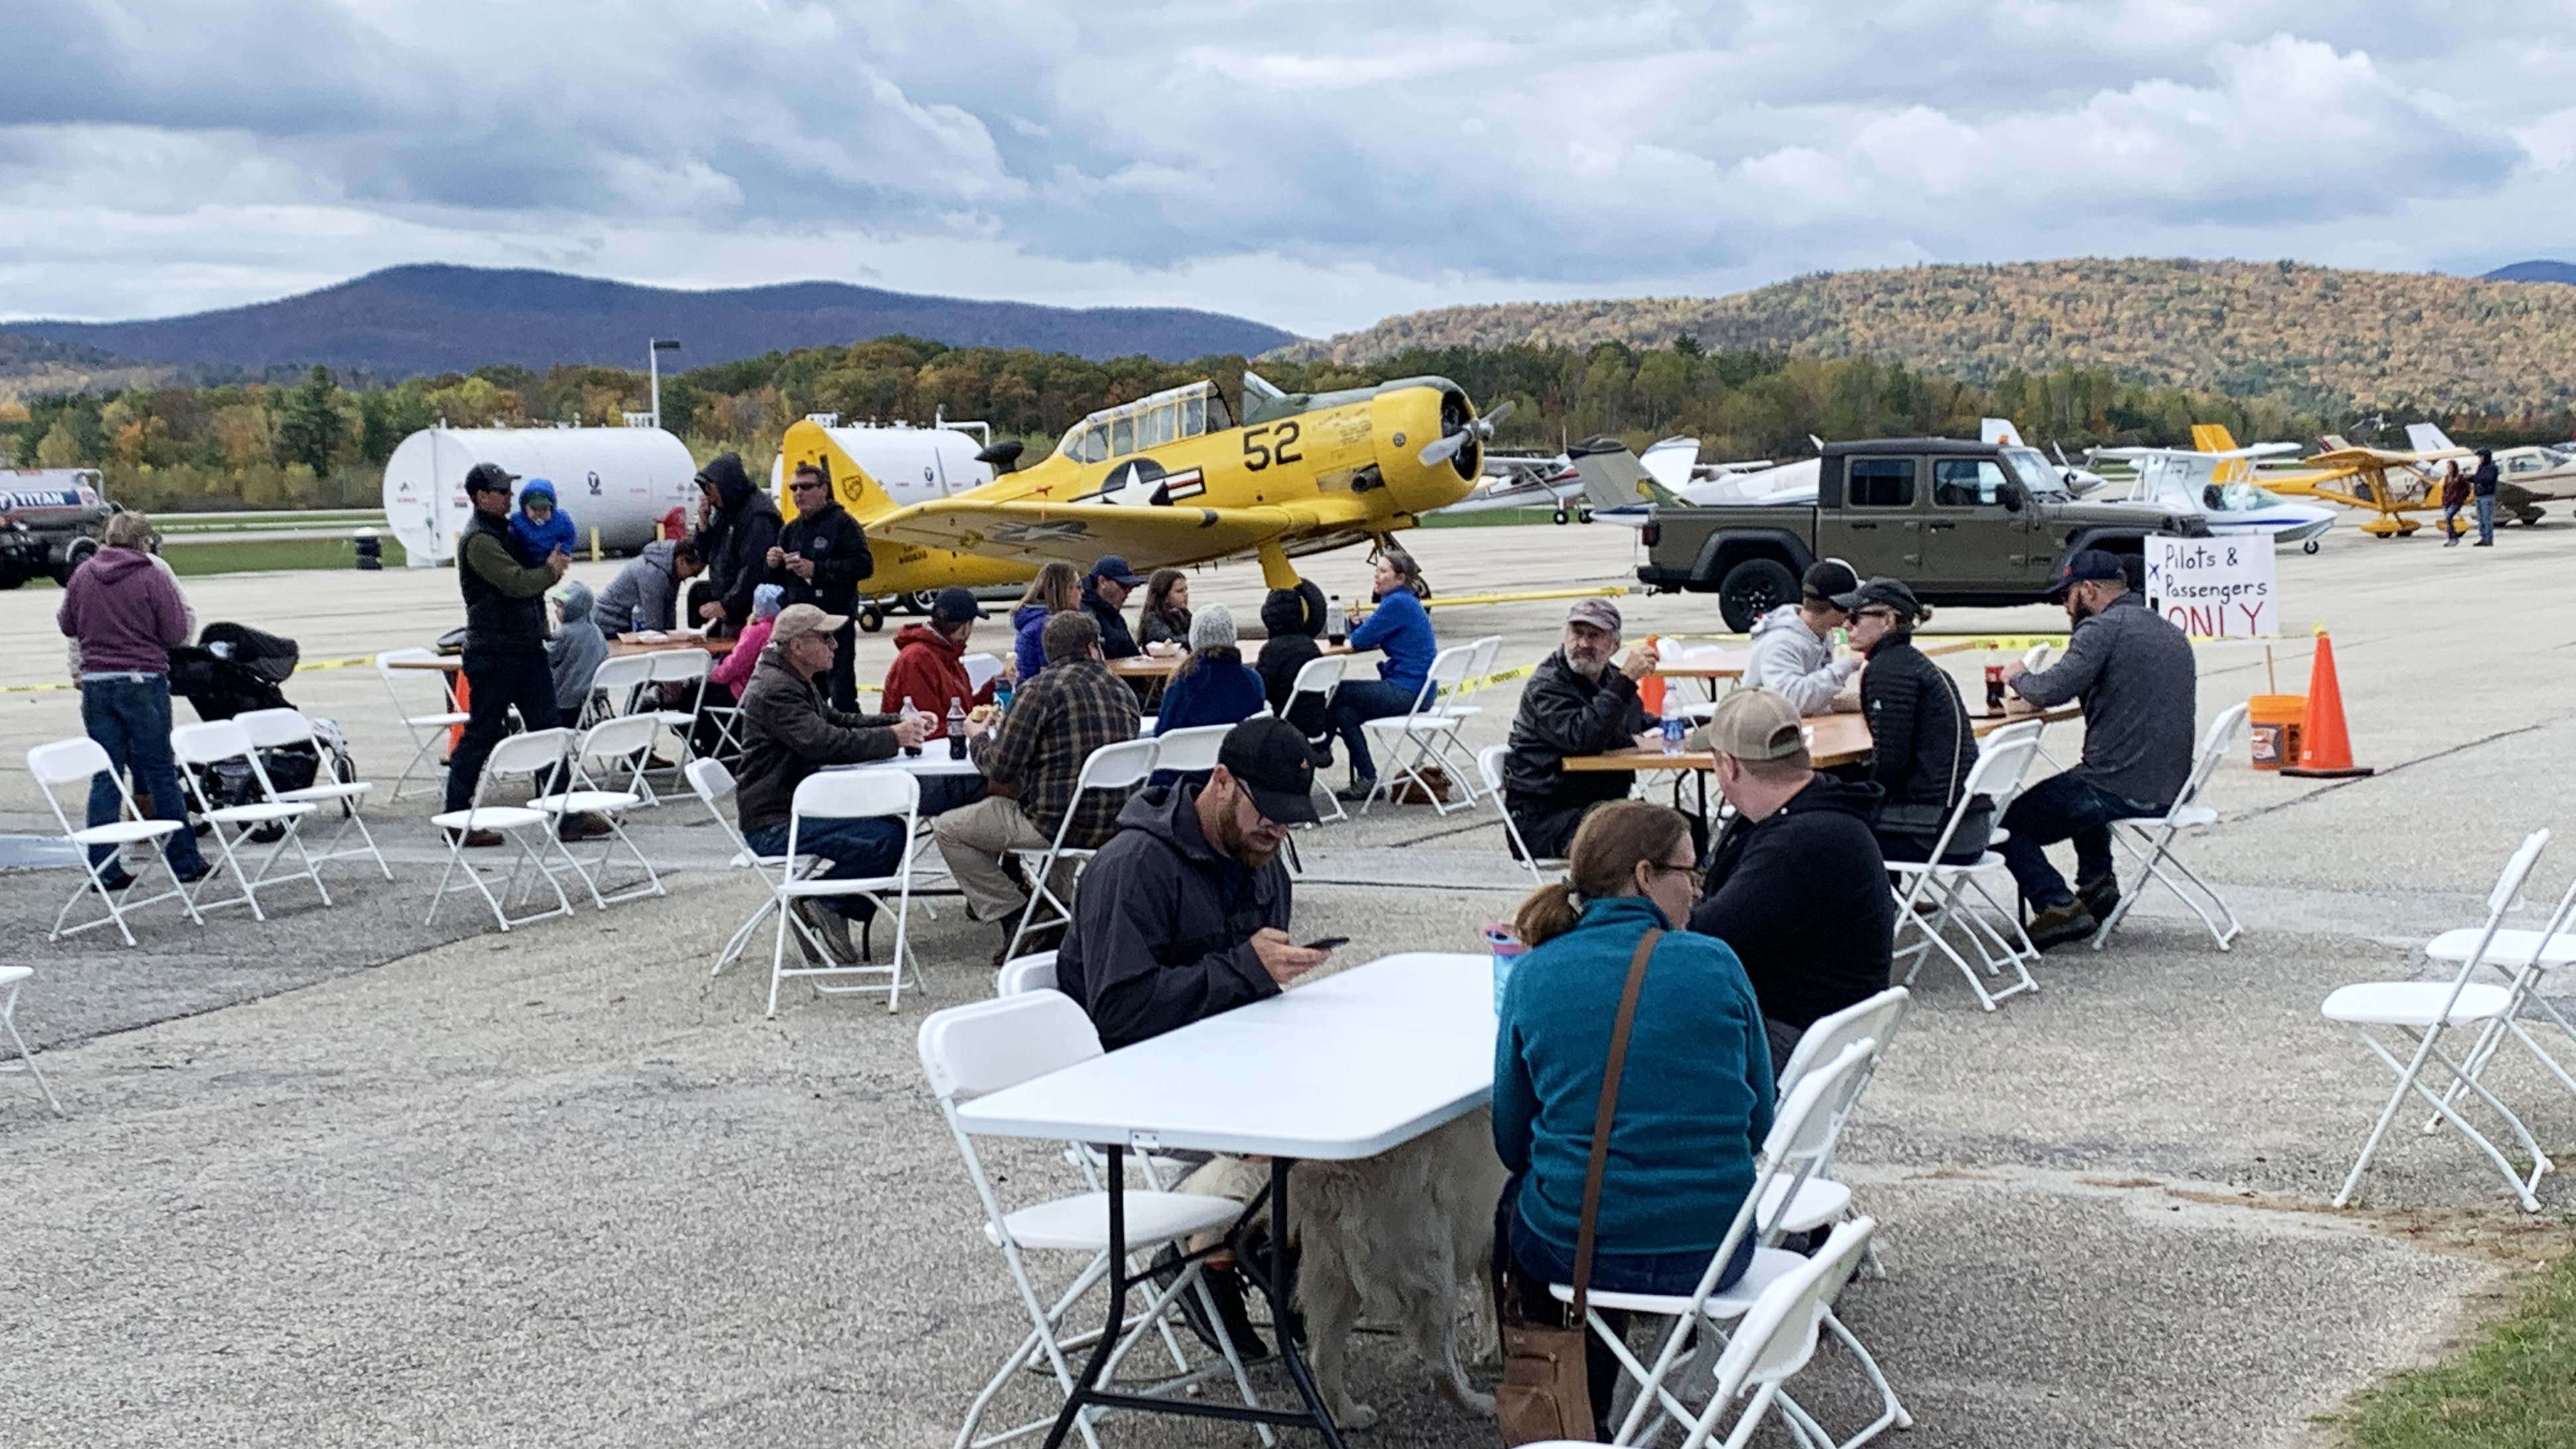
(1056, 588)
(1401, 627)
(1695, 1099)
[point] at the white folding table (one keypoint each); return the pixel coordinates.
(1346, 1068)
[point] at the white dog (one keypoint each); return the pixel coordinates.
(1411, 1229)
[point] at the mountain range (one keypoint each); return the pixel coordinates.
(2319, 337)
(415, 320)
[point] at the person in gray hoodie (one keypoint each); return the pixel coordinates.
(1793, 651)
(125, 613)
(575, 651)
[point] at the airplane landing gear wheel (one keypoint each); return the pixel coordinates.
(1560, 516)
(871, 618)
(2309, 547)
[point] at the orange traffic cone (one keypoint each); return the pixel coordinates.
(2325, 748)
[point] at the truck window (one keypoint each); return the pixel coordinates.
(1966, 482)
(1879, 483)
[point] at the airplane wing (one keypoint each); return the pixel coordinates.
(1148, 536)
(2349, 456)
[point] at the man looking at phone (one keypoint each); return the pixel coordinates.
(1184, 913)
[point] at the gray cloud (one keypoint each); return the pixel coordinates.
(1314, 166)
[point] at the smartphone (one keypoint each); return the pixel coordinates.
(1326, 944)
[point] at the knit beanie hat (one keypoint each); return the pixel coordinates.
(1212, 627)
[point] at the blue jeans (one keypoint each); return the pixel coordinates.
(2063, 807)
(1359, 700)
(855, 848)
(129, 716)
(2486, 518)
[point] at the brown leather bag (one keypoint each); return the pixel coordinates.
(1544, 1394)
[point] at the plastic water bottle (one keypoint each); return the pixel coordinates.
(1673, 735)
(956, 728)
(1001, 700)
(635, 619)
(914, 751)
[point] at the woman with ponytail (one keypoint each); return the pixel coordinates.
(1696, 1096)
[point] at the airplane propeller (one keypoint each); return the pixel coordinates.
(1479, 430)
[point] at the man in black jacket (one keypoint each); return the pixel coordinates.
(741, 527)
(819, 559)
(505, 636)
(1104, 597)
(1575, 704)
(1184, 913)
(1796, 885)
(1922, 745)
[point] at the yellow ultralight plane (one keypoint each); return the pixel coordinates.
(2391, 482)
(1172, 479)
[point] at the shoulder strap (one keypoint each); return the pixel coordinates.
(1608, 1113)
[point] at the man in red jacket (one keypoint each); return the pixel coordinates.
(930, 669)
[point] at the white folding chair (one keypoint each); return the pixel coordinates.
(2542, 955)
(1420, 738)
(1777, 1338)
(1801, 1137)
(2423, 1011)
(11, 978)
(686, 669)
(2010, 734)
(617, 685)
(1120, 766)
(2152, 841)
(714, 785)
(847, 795)
(428, 731)
(981, 669)
(1489, 768)
(1033, 972)
(273, 729)
(1481, 654)
(1316, 679)
(80, 761)
(984, 1046)
(1944, 887)
(1191, 751)
(1820, 1199)
(606, 750)
(531, 755)
(201, 746)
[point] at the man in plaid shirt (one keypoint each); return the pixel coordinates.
(1030, 765)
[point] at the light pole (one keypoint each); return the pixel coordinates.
(653, 351)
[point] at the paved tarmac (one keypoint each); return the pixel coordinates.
(345, 1178)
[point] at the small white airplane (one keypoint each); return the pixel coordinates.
(1524, 480)
(2221, 488)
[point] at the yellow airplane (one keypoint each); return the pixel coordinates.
(1171, 479)
(2390, 482)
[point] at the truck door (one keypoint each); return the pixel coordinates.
(1971, 542)
(1879, 528)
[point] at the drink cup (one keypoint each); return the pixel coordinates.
(1994, 689)
(1507, 952)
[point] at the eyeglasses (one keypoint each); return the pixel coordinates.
(803, 485)
(1666, 867)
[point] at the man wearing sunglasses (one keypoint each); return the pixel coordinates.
(820, 558)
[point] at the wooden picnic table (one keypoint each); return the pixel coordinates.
(617, 649)
(1163, 667)
(1832, 739)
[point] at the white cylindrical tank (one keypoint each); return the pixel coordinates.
(620, 481)
(913, 465)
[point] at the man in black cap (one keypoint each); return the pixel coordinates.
(2135, 673)
(820, 558)
(1184, 913)
(1576, 703)
(1104, 596)
(505, 637)
(1922, 744)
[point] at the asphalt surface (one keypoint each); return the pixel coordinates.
(343, 1177)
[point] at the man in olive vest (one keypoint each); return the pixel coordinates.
(505, 636)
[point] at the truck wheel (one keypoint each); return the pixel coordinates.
(871, 618)
(1753, 588)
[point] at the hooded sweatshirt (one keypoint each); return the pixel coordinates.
(532, 540)
(574, 653)
(125, 613)
(1028, 639)
(1162, 928)
(1293, 618)
(1790, 661)
(737, 540)
(1801, 895)
(930, 669)
(649, 584)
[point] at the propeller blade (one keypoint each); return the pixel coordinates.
(1494, 419)
(1443, 449)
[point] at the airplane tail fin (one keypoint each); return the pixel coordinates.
(1670, 461)
(1999, 431)
(2428, 438)
(852, 486)
(1612, 476)
(2212, 438)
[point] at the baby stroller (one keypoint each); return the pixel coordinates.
(232, 670)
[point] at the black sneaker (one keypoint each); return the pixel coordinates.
(1225, 1288)
(2100, 896)
(122, 880)
(2060, 925)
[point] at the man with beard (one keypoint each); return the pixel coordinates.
(1575, 704)
(1184, 913)
(2135, 673)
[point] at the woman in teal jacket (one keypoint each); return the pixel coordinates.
(1695, 1100)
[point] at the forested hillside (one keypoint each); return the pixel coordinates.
(2316, 339)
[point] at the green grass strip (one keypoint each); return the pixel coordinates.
(2515, 1388)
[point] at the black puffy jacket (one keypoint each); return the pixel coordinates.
(1292, 618)
(838, 547)
(1921, 744)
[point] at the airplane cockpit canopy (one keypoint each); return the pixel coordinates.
(1168, 416)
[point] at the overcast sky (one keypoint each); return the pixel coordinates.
(1316, 165)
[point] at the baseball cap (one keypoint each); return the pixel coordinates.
(955, 605)
(1886, 592)
(798, 620)
(489, 478)
(2083, 564)
(1271, 759)
(1114, 568)
(1826, 578)
(1601, 614)
(1756, 724)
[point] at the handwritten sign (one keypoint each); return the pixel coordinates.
(2214, 588)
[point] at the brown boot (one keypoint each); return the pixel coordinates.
(475, 839)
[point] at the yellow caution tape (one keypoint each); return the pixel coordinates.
(1529, 596)
(300, 668)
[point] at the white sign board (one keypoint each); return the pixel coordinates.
(2214, 588)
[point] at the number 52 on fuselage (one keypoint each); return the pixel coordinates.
(1171, 479)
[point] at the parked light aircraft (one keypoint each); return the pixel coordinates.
(2221, 488)
(2078, 481)
(2390, 482)
(2529, 475)
(1173, 479)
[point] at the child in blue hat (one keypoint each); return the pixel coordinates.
(538, 528)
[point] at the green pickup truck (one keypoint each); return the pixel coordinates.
(1962, 523)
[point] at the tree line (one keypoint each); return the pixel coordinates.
(319, 443)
